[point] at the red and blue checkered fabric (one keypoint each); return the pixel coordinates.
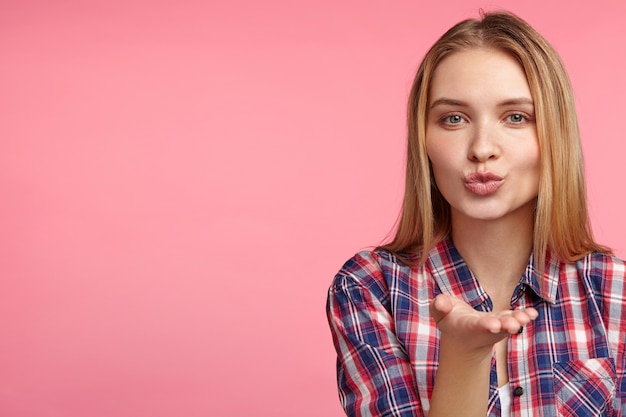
(568, 362)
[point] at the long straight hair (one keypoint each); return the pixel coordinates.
(561, 219)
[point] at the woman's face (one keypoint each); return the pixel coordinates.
(481, 136)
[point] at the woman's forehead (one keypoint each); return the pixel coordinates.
(479, 74)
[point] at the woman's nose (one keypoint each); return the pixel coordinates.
(483, 145)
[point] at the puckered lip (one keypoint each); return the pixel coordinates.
(483, 183)
(482, 177)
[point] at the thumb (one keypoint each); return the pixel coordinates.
(440, 307)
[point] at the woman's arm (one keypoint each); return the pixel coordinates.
(465, 351)
(373, 371)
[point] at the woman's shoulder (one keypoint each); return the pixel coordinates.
(606, 272)
(602, 263)
(373, 269)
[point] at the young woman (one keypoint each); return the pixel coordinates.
(493, 299)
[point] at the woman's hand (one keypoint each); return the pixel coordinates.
(466, 351)
(471, 330)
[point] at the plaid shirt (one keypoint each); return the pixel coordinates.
(567, 362)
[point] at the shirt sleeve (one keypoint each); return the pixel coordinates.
(373, 371)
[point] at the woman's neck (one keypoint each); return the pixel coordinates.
(496, 251)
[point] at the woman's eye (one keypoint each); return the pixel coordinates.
(517, 118)
(453, 119)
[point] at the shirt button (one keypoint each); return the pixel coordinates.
(518, 392)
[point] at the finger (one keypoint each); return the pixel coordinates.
(524, 316)
(440, 307)
(511, 324)
(531, 312)
(492, 324)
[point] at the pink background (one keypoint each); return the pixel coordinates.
(180, 181)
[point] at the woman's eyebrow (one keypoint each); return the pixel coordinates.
(444, 101)
(517, 101)
(447, 102)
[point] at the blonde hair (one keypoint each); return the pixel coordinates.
(561, 220)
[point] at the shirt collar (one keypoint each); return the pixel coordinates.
(545, 288)
(454, 276)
